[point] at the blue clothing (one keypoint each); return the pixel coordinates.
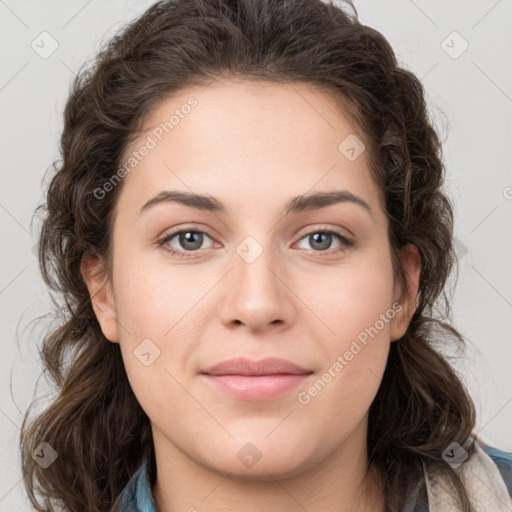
(137, 496)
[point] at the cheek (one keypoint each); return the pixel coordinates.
(352, 298)
(152, 299)
(358, 312)
(157, 312)
(357, 351)
(348, 383)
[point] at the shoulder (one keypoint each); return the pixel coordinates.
(503, 461)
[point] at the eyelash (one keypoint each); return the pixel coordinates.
(343, 239)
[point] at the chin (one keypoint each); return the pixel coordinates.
(262, 460)
(262, 471)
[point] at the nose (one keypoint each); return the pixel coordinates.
(257, 293)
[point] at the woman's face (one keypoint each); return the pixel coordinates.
(260, 276)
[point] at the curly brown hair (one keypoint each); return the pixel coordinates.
(95, 423)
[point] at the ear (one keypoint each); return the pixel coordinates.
(102, 298)
(411, 261)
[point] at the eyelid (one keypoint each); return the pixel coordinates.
(342, 232)
(188, 227)
(167, 235)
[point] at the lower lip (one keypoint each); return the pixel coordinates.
(256, 387)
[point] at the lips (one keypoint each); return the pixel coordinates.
(268, 366)
(244, 379)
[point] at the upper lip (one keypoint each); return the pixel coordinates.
(243, 366)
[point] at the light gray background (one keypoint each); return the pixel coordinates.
(474, 90)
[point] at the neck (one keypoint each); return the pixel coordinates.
(338, 483)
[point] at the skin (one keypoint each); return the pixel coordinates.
(254, 146)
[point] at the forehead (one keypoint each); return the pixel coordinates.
(258, 141)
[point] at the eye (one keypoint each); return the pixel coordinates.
(191, 240)
(321, 240)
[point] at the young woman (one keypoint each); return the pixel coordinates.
(250, 236)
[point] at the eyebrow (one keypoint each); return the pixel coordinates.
(297, 204)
